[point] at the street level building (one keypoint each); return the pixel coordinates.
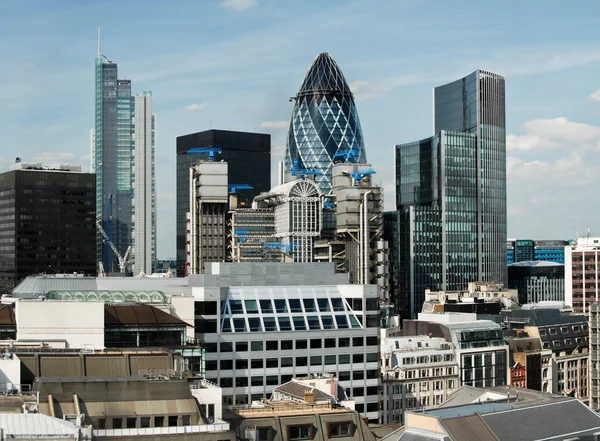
(248, 156)
(418, 372)
(537, 281)
(47, 223)
(264, 324)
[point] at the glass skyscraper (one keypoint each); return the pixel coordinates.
(450, 225)
(324, 122)
(114, 147)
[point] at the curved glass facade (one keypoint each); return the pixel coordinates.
(324, 122)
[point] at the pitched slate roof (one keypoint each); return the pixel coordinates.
(468, 428)
(296, 390)
(137, 315)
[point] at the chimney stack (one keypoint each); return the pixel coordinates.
(309, 396)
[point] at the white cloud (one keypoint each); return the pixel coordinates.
(365, 90)
(51, 158)
(196, 106)
(274, 125)
(239, 5)
(595, 96)
(553, 134)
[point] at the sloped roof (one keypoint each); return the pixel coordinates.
(556, 420)
(136, 315)
(296, 390)
(469, 428)
(324, 75)
(548, 317)
(35, 425)
(530, 263)
(7, 316)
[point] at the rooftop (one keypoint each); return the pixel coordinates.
(128, 315)
(534, 263)
(36, 425)
(266, 408)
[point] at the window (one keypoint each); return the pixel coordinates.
(344, 375)
(241, 364)
(301, 344)
(357, 358)
(256, 363)
(284, 323)
(552, 331)
(339, 429)
(358, 375)
(281, 305)
(372, 321)
(251, 306)
(327, 322)
(330, 343)
(372, 341)
(299, 324)
(323, 305)
(342, 321)
(236, 307)
(173, 420)
(272, 345)
(344, 358)
(299, 432)
(287, 345)
(117, 423)
(337, 304)
(315, 343)
(226, 347)
(266, 306)
(241, 381)
(272, 362)
(316, 360)
(330, 359)
(344, 342)
(272, 380)
(358, 392)
(159, 421)
(256, 381)
(226, 365)
(285, 361)
(254, 324)
(357, 341)
(102, 423)
(205, 308)
(295, 305)
(269, 323)
(241, 346)
(263, 434)
(211, 365)
(239, 324)
(313, 322)
(186, 420)
(371, 357)
(309, 305)
(301, 361)
(131, 422)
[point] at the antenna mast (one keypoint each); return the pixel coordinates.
(98, 41)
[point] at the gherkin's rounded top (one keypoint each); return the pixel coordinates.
(325, 76)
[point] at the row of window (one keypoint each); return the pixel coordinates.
(284, 345)
(300, 323)
(315, 360)
(564, 329)
(276, 380)
(133, 422)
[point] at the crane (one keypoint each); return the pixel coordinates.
(123, 260)
(358, 177)
(211, 151)
(234, 187)
(350, 155)
(300, 172)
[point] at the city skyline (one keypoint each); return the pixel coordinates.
(203, 78)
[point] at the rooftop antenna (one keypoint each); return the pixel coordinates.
(98, 41)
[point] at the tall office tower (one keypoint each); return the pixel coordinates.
(248, 156)
(206, 233)
(92, 150)
(115, 164)
(324, 123)
(144, 172)
(47, 223)
(436, 198)
(476, 104)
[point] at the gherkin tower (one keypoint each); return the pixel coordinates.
(325, 127)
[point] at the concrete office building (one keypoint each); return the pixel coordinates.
(594, 339)
(418, 372)
(248, 156)
(582, 273)
(123, 143)
(47, 223)
(266, 323)
(537, 281)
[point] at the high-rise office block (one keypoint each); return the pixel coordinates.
(451, 194)
(47, 223)
(248, 156)
(582, 273)
(476, 104)
(324, 122)
(116, 142)
(144, 172)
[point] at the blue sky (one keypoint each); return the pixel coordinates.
(233, 64)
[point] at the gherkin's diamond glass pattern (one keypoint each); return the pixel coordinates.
(324, 122)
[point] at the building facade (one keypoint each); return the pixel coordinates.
(537, 281)
(582, 271)
(324, 123)
(535, 250)
(476, 104)
(266, 323)
(594, 339)
(124, 152)
(249, 160)
(47, 223)
(418, 372)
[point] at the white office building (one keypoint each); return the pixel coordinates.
(266, 323)
(418, 372)
(144, 175)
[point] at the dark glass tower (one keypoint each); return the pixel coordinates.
(476, 104)
(248, 156)
(324, 122)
